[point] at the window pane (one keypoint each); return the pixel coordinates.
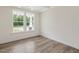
(18, 18)
(17, 24)
(29, 22)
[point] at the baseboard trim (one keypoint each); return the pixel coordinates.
(4, 45)
(20, 40)
(52, 38)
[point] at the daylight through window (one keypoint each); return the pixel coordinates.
(20, 18)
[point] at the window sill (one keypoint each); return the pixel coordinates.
(23, 32)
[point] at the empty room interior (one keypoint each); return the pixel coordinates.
(39, 29)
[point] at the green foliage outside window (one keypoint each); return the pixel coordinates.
(18, 20)
(27, 20)
(17, 24)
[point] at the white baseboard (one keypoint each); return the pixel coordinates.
(52, 38)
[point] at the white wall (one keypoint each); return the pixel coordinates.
(6, 34)
(62, 24)
(58, 23)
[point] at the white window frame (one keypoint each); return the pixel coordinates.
(33, 26)
(24, 23)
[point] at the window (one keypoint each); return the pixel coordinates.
(18, 21)
(29, 21)
(22, 21)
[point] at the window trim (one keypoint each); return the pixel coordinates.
(24, 21)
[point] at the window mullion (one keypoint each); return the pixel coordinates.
(24, 20)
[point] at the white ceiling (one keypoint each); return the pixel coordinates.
(35, 8)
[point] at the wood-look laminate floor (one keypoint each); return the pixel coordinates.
(37, 44)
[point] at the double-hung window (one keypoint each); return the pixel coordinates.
(29, 21)
(22, 21)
